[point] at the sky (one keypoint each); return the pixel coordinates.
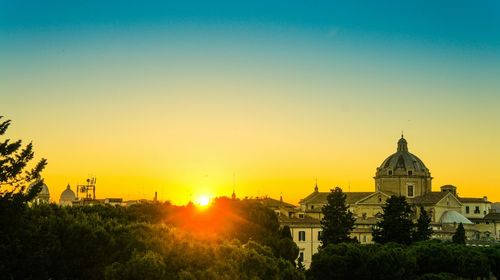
(193, 98)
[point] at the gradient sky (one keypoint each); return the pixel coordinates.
(176, 97)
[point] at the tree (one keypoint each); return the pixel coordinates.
(423, 229)
(493, 253)
(147, 265)
(459, 236)
(286, 233)
(356, 261)
(14, 179)
(338, 221)
(396, 224)
(284, 247)
(300, 265)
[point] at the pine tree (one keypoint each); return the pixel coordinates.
(286, 233)
(423, 230)
(14, 179)
(459, 236)
(338, 221)
(300, 265)
(396, 224)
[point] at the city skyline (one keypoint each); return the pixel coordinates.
(180, 98)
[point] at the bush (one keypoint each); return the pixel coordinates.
(355, 261)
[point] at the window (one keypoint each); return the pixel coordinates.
(476, 210)
(301, 215)
(364, 238)
(302, 235)
(410, 173)
(390, 172)
(467, 210)
(319, 235)
(301, 256)
(410, 191)
(312, 207)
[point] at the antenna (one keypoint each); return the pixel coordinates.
(87, 190)
(233, 195)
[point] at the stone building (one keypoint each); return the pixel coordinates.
(401, 173)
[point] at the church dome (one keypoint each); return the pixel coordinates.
(402, 163)
(45, 190)
(43, 195)
(67, 195)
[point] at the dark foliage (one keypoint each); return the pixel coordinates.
(145, 241)
(436, 257)
(396, 223)
(338, 221)
(423, 229)
(493, 254)
(355, 261)
(14, 178)
(459, 236)
(422, 260)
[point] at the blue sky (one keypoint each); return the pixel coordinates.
(461, 23)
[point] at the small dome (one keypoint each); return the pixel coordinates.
(402, 163)
(67, 195)
(453, 217)
(45, 190)
(43, 195)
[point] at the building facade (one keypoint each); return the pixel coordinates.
(403, 174)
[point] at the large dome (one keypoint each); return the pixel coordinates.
(67, 195)
(402, 163)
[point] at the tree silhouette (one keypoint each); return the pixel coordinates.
(396, 223)
(337, 221)
(423, 229)
(14, 178)
(459, 236)
(286, 233)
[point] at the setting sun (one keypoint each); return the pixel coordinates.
(203, 200)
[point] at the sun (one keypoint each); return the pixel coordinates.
(203, 200)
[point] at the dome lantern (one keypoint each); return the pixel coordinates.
(402, 144)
